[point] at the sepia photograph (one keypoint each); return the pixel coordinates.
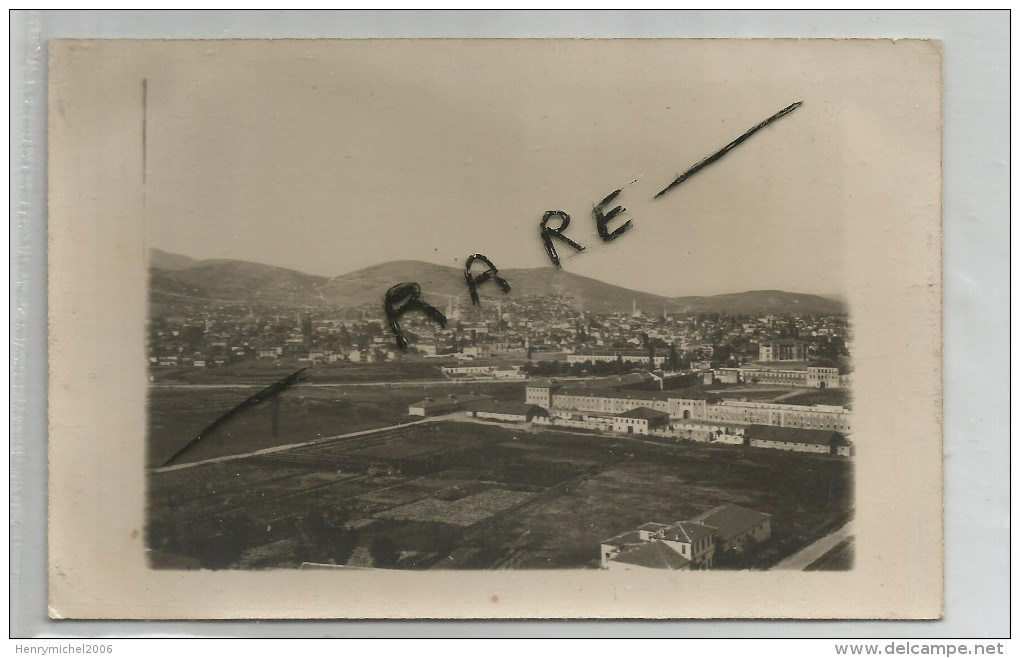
(681, 400)
(624, 309)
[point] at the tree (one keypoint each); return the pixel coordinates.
(673, 359)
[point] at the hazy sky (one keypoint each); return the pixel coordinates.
(330, 157)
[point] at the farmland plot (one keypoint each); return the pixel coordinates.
(464, 512)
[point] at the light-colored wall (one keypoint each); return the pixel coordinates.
(727, 411)
(621, 424)
(796, 447)
(492, 415)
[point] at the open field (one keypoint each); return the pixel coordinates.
(177, 415)
(266, 372)
(467, 495)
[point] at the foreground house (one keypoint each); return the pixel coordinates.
(687, 545)
(736, 527)
(648, 555)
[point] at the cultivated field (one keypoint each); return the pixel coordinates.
(473, 496)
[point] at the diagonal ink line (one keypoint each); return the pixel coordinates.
(261, 396)
(729, 147)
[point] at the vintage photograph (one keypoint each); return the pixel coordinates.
(680, 400)
(543, 328)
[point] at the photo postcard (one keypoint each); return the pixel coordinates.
(495, 329)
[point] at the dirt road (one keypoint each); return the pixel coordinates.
(291, 446)
(800, 560)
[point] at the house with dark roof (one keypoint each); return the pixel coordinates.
(613, 546)
(692, 540)
(689, 545)
(736, 528)
(797, 439)
(640, 420)
(647, 530)
(649, 555)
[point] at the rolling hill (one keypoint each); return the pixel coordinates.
(246, 282)
(760, 302)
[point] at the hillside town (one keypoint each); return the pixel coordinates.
(546, 336)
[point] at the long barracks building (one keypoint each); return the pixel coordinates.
(565, 400)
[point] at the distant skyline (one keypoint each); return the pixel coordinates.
(328, 157)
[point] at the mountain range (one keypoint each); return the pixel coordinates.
(238, 281)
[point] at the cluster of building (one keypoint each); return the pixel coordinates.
(687, 545)
(619, 355)
(577, 402)
(202, 333)
(820, 429)
(808, 377)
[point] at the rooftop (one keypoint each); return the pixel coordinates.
(687, 531)
(643, 413)
(731, 520)
(625, 538)
(795, 435)
(654, 555)
(587, 391)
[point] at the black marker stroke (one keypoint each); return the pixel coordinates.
(263, 395)
(548, 234)
(474, 281)
(729, 147)
(409, 293)
(602, 219)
